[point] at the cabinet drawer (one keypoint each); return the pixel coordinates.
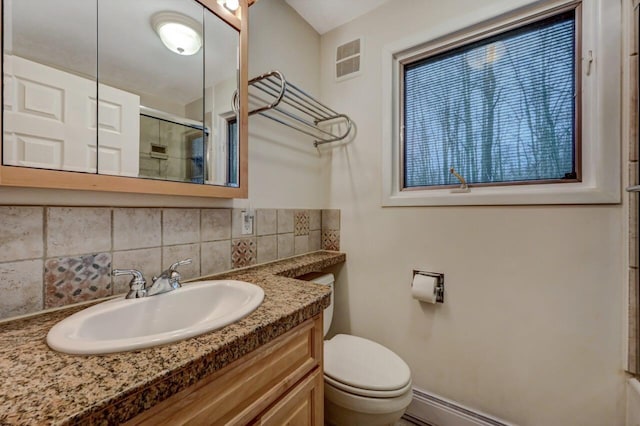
(302, 406)
(238, 393)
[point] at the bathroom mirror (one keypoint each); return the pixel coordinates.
(117, 88)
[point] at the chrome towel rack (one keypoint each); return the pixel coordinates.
(285, 103)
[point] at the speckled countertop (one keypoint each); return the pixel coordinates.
(41, 386)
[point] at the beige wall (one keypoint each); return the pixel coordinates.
(285, 169)
(532, 325)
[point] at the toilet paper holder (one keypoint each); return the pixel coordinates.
(439, 286)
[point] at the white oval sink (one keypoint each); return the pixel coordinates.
(128, 324)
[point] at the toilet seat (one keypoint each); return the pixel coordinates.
(367, 392)
(364, 404)
(362, 367)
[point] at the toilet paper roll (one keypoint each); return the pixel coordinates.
(423, 288)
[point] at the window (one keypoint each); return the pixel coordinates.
(524, 105)
(232, 149)
(502, 109)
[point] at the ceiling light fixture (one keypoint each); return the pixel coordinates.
(179, 33)
(232, 5)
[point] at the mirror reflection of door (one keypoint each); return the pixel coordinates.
(50, 74)
(116, 87)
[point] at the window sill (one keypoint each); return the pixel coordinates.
(568, 193)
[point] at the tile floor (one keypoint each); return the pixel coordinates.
(406, 421)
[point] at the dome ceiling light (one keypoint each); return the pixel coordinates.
(232, 5)
(179, 33)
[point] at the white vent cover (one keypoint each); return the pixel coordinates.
(348, 59)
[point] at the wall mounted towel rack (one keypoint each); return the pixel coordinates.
(272, 96)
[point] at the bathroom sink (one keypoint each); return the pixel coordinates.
(128, 324)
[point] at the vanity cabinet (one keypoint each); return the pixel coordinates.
(279, 383)
(301, 406)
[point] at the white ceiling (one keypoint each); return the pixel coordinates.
(62, 34)
(325, 15)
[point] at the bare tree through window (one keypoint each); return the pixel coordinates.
(497, 110)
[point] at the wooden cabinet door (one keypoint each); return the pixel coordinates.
(282, 372)
(301, 406)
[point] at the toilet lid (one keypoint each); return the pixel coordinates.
(364, 365)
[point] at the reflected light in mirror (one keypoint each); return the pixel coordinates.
(178, 32)
(232, 5)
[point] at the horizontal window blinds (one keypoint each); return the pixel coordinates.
(498, 110)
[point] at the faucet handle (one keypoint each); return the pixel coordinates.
(172, 275)
(137, 285)
(180, 263)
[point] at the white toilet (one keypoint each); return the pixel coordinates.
(365, 383)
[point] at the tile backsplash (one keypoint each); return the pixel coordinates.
(55, 256)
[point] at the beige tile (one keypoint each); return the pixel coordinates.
(236, 224)
(633, 230)
(147, 261)
(216, 224)
(315, 220)
(633, 292)
(633, 251)
(633, 362)
(216, 257)
(633, 214)
(301, 244)
(285, 221)
(78, 230)
(174, 254)
(136, 228)
(21, 233)
(633, 34)
(180, 226)
(285, 245)
(331, 219)
(632, 106)
(315, 240)
(632, 353)
(243, 252)
(267, 220)
(267, 248)
(21, 288)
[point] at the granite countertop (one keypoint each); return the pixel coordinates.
(41, 386)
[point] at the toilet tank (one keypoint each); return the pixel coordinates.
(323, 279)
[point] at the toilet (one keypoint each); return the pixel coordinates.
(364, 383)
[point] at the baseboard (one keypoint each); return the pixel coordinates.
(434, 410)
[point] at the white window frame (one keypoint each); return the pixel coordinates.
(601, 108)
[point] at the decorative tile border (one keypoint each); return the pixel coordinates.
(243, 252)
(48, 257)
(301, 222)
(331, 240)
(76, 279)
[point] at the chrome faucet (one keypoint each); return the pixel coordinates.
(137, 285)
(167, 281)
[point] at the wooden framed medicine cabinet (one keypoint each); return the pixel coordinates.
(21, 176)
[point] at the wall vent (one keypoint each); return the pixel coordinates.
(348, 59)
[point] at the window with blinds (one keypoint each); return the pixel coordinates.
(498, 110)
